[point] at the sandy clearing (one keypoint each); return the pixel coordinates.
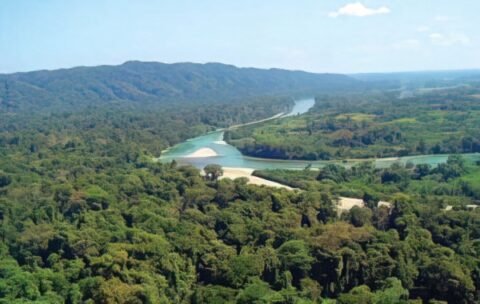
(343, 203)
(234, 173)
(383, 203)
(347, 203)
(203, 152)
(468, 207)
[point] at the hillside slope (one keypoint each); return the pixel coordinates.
(151, 82)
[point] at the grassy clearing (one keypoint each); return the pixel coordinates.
(357, 116)
(405, 120)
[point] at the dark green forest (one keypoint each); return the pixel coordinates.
(87, 214)
(153, 83)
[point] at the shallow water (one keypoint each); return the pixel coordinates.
(229, 156)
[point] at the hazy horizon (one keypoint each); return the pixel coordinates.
(347, 37)
(244, 67)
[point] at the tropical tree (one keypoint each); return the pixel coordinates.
(213, 171)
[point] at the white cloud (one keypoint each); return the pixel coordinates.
(449, 39)
(357, 9)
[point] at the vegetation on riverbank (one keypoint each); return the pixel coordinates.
(78, 227)
(455, 182)
(371, 125)
(87, 217)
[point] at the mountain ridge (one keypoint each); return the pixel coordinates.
(155, 82)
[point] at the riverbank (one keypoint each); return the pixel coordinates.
(222, 142)
(230, 157)
(343, 204)
(234, 173)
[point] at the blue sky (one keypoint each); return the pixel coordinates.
(312, 35)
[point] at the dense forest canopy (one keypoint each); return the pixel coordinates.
(88, 216)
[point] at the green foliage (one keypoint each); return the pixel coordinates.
(213, 171)
(294, 256)
(360, 216)
(392, 293)
(258, 292)
(370, 125)
(243, 267)
(5, 180)
(88, 216)
(358, 295)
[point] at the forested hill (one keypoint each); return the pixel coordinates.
(152, 82)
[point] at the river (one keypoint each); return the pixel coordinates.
(229, 156)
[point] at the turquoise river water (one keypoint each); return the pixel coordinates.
(229, 156)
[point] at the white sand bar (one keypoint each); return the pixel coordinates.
(347, 203)
(383, 203)
(203, 152)
(234, 173)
